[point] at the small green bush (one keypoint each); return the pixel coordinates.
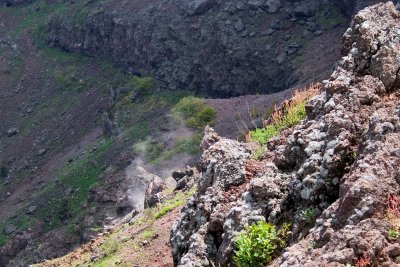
(259, 244)
(393, 233)
(109, 247)
(141, 84)
(291, 114)
(195, 112)
(308, 215)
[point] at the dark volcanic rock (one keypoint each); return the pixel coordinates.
(204, 45)
(342, 162)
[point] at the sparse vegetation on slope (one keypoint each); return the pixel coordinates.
(195, 112)
(290, 114)
(259, 244)
(127, 244)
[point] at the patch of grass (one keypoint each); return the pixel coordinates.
(194, 112)
(308, 215)
(109, 261)
(69, 80)
(3, 236)
(109, 247)
(178, 200)
(290, 114)
(80, 176)
(334, 18)
(394, 233)
(141, 84)
(189, 145)
(148, 234)
(259, 152)
(259, 243)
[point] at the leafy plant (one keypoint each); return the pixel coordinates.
(195, 112)
(259, 244)
(259, 152)
(308, 215)
(178, 200)
(109, 247)
(394, 233)
(291, 113)
(141, 84)
(149, 233)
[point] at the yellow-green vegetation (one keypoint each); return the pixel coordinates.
(259, 243)
(149, 233)
(194, 112)
(114, 248)
(290, 114)
(156, 152)
(394, 233)
(178, 200)
(109, 247)
(259, 152)
(309, 215)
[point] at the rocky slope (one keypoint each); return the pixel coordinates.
(221, 48)
(342, 162)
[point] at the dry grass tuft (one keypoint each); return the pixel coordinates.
(289, 114)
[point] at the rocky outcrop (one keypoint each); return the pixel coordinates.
(341, 164)
(14, 2)
(222, 48)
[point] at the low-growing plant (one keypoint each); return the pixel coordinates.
(308, 215)
(178, 200)
(141, 84)
(364, 261)
(291, 113)
(109, 247)
(259, 152)
(149, 233)
(394, 233)
(393, 214)
(195, 112)
(259, 243)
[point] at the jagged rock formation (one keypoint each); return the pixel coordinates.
(342, 162)
(222, 48)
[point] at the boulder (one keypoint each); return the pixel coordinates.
(273, 6)
(9, 229)
(12, 131)
(154, 190)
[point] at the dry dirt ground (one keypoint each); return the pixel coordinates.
(142, 244)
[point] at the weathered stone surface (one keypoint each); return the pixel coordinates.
(204, 45)
(153, 194)
(342, 162)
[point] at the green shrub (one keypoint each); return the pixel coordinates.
(393, 233)
(259, 244)
(289, 115)
(258, 153)
(308, 215)
(195, 112)
(141, 84)
(149, 233)
(109, 247)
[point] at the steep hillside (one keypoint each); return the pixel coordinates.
(97, 106)
(330, 184)
(223, 48)
(334, 178)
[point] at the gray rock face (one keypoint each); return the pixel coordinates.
(211, 46)
(12, 132)
(341, 162)
(9, 229)
(153, 194)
